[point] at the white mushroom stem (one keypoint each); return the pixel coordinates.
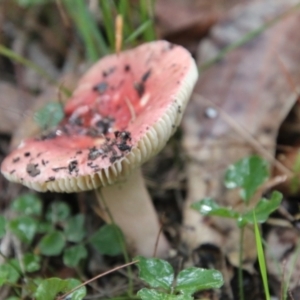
(132, 209)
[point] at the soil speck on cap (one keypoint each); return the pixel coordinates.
(101, 87)
(44, 162)
(146, 75)
(124, 135)
(108, 72)
(15, 160)
(73, 166)
(59, 169)
(51, 178)
(124, 147)
(33, 170)
(94, 153)
(104, 125)
(140, 88)
(12, 171)
(127, 68)
(47, 136)
(114, 158)
(26, 154)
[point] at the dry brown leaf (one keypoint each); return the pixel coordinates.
(14, 103)
(184, 22)
(281, 258)
(253, 92)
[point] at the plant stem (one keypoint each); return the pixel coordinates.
(240, 270)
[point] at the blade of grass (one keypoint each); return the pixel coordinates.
(25, 62)
(261, 258)
(108, 9)
(29, 64)
(138, 32)
(87, 27)
(145, 15)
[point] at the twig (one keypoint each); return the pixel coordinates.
(96, 277)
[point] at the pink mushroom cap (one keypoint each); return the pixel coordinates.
(123, 112)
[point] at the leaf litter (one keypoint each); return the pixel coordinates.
(253, 84)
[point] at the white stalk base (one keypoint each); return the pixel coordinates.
(132, 210)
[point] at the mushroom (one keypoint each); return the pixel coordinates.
(122, 113)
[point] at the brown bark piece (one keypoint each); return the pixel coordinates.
(250, 86)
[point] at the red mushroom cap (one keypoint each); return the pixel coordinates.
(123, 112)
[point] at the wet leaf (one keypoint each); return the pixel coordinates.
(57, 212)
(28, 204)
(74, 254)
(50, 288)
(74, 230)
(50, 115)
(193, 279)
(24, 228)
(44, 227)
(248, 174)
(262, 210)
(209, 207)
(9, 272)
(52, 243)
(107, 240)
(156, 272)
(147, 294)
(31, 262)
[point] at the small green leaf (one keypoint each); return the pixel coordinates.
(28, 204)
(9, 272)
(264, 208)
(74, 254)
(74, 229)
(57, 212)
(248, 174)
(31, 262)
(193, 279)
(52, 243)
(50, 288)
(209, 207)
(107, 240)
(2, 226)
(49, 116)
(24, 228)
(78, 294)
(156, 272)
(147, 294)
(44, 227)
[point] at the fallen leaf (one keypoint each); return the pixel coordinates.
(236, 110)
(14, 103)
